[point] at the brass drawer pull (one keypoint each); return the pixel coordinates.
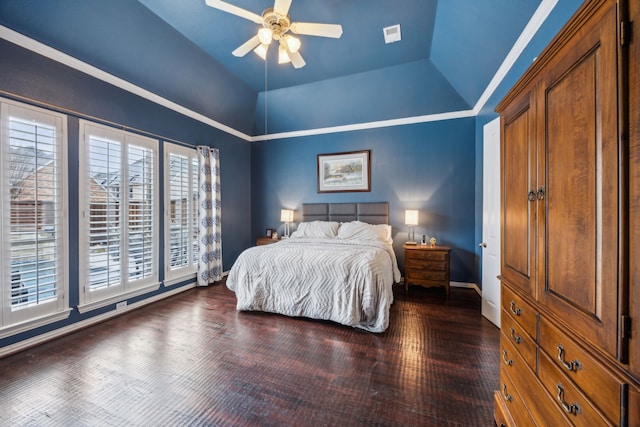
(531, 195)
(517, 311)
(574, 365)
(507, 362)
(515, 338)
(506, 396)
(569, 408)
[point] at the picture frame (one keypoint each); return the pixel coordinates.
(344, 172)
(269, 232)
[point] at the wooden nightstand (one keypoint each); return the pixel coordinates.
(427, 266)
(266, 241)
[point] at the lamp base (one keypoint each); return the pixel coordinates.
(410, 243)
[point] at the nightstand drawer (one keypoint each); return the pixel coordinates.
(266, 241)
(425, 265)
(436, 276)
(429, 255)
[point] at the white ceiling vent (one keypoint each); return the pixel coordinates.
(392, 34)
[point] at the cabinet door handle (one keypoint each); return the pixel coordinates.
(531, 195)
(540, 193)
(572, 408)
(515, 310)
(574, 365)
(507, 362)
(516, 339)
(506, 396)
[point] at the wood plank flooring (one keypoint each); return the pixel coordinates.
(194, 360)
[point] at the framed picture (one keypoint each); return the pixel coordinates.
(269, 232)
(342, 172)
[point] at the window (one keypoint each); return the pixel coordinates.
(118, 211)
(33, 196)
(181, 211)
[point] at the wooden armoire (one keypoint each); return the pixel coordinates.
(570, 222)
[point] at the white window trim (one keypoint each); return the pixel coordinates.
(180, 274)
(91, 300)
(43, 314)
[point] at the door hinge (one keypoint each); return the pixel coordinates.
(625, 327)
(625, 32)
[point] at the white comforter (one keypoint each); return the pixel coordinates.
(346, 281)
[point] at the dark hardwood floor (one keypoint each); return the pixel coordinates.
(194, 360)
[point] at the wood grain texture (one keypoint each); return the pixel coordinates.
(195, 360)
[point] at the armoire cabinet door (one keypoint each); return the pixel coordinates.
(518, 158)
(578, 258)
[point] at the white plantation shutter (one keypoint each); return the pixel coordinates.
(181, 214)
(104, 201)
(34, 225)
(118, 202)
(141, 211)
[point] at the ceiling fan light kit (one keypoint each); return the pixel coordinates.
(276, 23)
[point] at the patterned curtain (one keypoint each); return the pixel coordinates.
(209, 217)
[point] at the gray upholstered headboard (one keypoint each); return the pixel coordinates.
(372, 213)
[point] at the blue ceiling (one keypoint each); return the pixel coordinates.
(181, 49)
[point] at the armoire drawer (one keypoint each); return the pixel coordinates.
(521, 341)
(511, 401)
(501, 413)
(599, 384)
(521, 381)
(520, 310)
(580, 410)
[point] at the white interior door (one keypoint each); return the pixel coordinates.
(491, 222)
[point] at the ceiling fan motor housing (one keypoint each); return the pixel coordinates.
(278, 24)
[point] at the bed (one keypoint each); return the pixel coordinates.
(339, 265)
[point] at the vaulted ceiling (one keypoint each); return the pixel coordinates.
(181, 50)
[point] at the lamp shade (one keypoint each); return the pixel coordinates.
(286, 215)
(411, 217)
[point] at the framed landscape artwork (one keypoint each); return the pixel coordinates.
(342, 172)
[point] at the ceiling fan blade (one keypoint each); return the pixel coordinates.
(314, 29)
(235, 10)
(247, 46)
(281, 7)
(296, 59)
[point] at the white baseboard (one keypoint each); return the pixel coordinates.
(39, 339)
(466, 285)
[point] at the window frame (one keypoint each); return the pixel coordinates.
(41, 313)
(177, 275)
(91, 299)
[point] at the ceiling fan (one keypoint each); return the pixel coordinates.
(276, 25)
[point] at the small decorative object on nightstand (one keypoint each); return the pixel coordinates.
(266, 241)
(427, 266)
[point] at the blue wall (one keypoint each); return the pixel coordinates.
(27, 75)
(427, 166)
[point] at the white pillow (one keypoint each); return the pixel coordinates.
(316, 229)
(362, 231)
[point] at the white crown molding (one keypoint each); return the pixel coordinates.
(368, 125)
(68, 60)
(538, 18)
